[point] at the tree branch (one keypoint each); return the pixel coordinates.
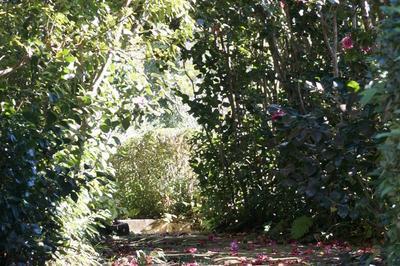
(9, 70)
(332, 49)
(99, 79)
(366, 8)
(335, 46)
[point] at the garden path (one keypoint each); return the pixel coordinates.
(227, 249)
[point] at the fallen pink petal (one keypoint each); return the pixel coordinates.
(191, 250)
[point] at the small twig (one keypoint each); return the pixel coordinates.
(303, 109)
(9, 70)
(189, 77)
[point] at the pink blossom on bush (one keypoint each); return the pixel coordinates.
(278, 114)
(347, 43)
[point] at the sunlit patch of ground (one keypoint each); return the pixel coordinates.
(241, 249)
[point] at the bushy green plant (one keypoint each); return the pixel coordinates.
(68, 85)
(300, 62)
(301, 226)
(153, 175)
(384, 96)
(82, 222)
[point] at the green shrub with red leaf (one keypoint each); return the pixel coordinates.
(284, 134)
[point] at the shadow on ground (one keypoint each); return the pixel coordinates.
(240, 249)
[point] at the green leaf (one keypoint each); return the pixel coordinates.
(353, 85)
(392, 133)
(368, 95)
(301, 226)
(70, 59)
(126, 122)
(105, 128)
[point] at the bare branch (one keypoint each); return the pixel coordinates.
(332, 49)
(335, 46)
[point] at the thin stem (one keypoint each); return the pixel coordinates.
(9, 70)
(332, 49)
(99, 79)
(335, 46)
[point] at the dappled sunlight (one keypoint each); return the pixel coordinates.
(199, 132)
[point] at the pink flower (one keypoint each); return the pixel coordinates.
(278, 114)
(191, 250)
(234, 247)
(347, 43)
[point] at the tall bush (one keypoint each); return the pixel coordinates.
(68, 84)
(283, 132)
(384, 95)
(154, 176)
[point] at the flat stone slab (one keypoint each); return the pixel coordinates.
(137, 226)
(159, 226)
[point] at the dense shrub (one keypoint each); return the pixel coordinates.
(384, 96)
(331, 164)
(49, 121)
(283, 133)
(68, 86)
(153, 175)
(83, 220)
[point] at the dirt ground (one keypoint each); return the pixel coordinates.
(239, 249)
